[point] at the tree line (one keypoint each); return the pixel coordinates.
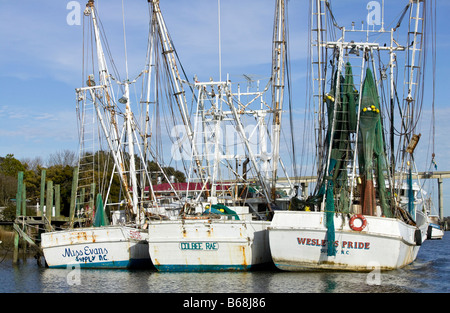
(59, 169)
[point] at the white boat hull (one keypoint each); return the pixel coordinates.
(208, 245)
(298, 241)
(96, 247)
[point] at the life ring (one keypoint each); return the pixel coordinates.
(363, 222)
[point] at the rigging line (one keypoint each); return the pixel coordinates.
(405, 10)
(431, 31)
(308, 98)
(179, 61)
(433, 47)
(328, 5)
(124, 38)
(291, 122)
(82, 58)
(92, 45)
(107, 48)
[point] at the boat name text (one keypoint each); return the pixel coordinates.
(86, 254)
(199, 246)
(344, 244)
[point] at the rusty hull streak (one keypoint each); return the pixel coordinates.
(245, 263)
(81, 237)
(209, 232)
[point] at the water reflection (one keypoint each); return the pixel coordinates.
(28, 277)
(92, 280)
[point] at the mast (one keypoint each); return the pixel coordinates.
(130, 139)
(365, 162)
(179, 92)
(392, 105)
(109, 115)
(318, 69)
(219, 110)
(278, 76)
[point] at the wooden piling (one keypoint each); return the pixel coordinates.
(441, 198)
(24, 213)
(42, 198)
(18, 210)
(73, 196)
(57, 200)
(49, 204)
(24, 200)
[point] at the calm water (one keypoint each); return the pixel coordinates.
(430, 273)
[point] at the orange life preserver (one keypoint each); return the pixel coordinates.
(363, 221)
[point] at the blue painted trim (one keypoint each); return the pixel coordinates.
(201, 268)
(120, 264)
(435, 226)
(135, 263)
(210, 268)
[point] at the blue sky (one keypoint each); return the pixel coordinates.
(41, 57)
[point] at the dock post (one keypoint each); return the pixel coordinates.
(441, 198)
(42, 198)
(18, 210)
(24, 214)
(73, 196)
(24, 200)
(57, 200)
(49, 204)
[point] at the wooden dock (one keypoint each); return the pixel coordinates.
(29, 228)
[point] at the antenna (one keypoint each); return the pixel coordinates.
(220, 44)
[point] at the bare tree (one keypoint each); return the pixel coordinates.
(62, 157)
(33, 163)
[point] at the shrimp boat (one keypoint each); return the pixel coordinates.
(95, 242)
(223, 227)
(355, 220)
(435, 228)
(113, 247)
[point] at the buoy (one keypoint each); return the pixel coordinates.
(359, 217)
